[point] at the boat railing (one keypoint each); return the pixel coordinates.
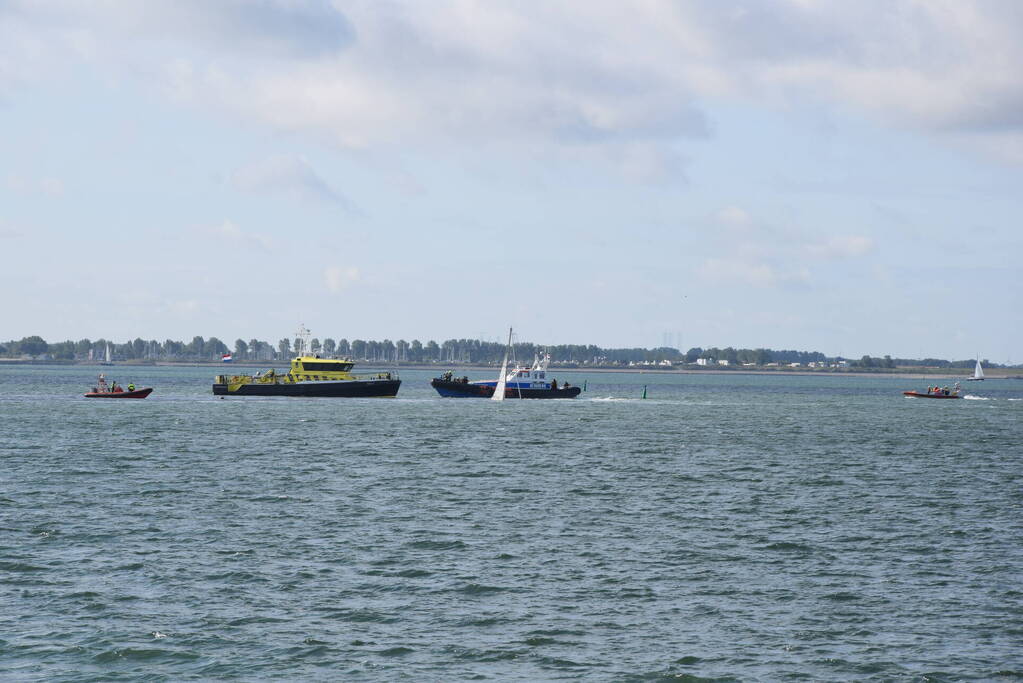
(389, 374)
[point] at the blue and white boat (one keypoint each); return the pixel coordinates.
(519, 382)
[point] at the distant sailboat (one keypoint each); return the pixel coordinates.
(107, 361)
(978, 373)
(502, 379)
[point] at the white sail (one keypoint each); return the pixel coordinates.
(502, 379)
(978, 372)
(108, 353)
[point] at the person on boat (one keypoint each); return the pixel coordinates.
(945, 391)
(447, 376)
(554, 385)
(131, 387)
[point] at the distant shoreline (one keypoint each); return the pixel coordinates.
(905, 372)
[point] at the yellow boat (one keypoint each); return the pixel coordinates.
(310, 376)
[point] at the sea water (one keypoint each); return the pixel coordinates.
(728, 527)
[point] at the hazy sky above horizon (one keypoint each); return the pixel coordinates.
(835, 176)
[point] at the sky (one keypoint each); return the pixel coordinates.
(844, 177)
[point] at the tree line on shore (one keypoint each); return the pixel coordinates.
(451, 351)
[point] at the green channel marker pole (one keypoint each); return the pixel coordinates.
(644, 391)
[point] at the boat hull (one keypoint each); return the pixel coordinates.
(452, 389)
(384, 388)
(916, 394)
(138, 393)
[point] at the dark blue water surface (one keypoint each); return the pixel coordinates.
(729, 527)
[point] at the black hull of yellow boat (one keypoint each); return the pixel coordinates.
(382, 388)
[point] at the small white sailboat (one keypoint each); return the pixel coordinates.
(107, 356)
(978, 373)
(502, 379)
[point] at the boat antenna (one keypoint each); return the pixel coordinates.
(302, 336)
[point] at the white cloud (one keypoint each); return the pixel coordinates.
(751, 252)
(289, 175)
(840, 247)
(230, 231)
(338, 278)
(47, 186)
(9, 232)
(624, 77)
(733, 216)
(183, 307)
(727, 271)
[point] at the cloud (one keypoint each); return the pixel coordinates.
(47, 186)
(338, 278)
(231, 232)
(840, 247)
(8, 232)
(754, 253)
(625, 78)
(288, 175)
(754, 274)
(636, 72)
(733, 216)
(183, 307)
(255, 28)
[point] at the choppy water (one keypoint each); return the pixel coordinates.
(729, 527)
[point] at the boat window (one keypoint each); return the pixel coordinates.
(326, 367)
